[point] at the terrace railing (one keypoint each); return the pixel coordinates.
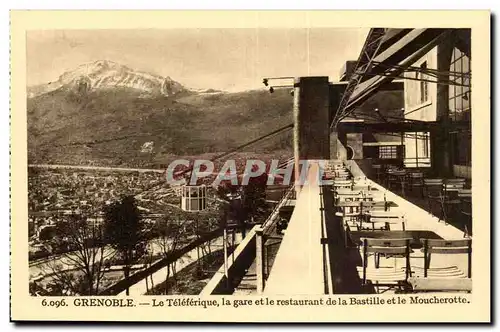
(270, 222)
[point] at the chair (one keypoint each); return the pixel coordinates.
(327, 175)
(346, 184)
(357, 210)
(388, 170)
(334, 164)
(398, 177)
(391, 167)
(378, 171)
(351, 213)
(386, 219)
(458, 182)
(465, 197)
(416, 180)
(361, 184)
(347, 195)
(366, 207)
(363, 187)
(341, 173)
(388, 175)
(465, 193)
(347, 191)
(385, 169)
(452, 186)
(371, 206)
(434, 193)
(385, 276)
(342, 178)
(447, 247)
(452, 202)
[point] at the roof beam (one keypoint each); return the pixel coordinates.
(395, 127)
(410, 47)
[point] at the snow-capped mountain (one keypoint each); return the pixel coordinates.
(104, 74)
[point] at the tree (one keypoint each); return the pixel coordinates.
(80, 269)
(171, 234)
(205, 223)
(124, 230)
(47, 232)
(254, 203)
(233, 205)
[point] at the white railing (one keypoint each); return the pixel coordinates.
(270, 221)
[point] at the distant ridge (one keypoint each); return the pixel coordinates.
(105, 74)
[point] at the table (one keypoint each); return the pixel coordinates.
(414, 235)
(386, 218)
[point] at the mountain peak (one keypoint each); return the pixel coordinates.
(106, 63)
(106, 74)
(99, 65)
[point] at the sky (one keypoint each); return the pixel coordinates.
(226, 59)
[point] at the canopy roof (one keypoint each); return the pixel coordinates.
(398, 49)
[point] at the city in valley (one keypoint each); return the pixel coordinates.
(71, 211)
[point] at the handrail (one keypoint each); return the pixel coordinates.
(242, 255)
(269, 222)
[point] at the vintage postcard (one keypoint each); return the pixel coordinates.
(250, 166)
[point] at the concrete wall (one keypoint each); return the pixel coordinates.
(355, 141)
(341, 151)
(414, 108)
(461, 171)
(337, 149)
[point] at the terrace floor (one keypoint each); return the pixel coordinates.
(309, 259)
(453, 216)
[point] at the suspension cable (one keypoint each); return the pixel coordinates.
(225, 154)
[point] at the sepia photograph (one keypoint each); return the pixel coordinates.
(312, 166)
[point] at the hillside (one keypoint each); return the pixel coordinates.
(112, 126)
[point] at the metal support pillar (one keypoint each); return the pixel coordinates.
(259, 259)
(402, 147)
(334, 148)
(226, 268)
(335, 97)
(444, 166)
(416, 150)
